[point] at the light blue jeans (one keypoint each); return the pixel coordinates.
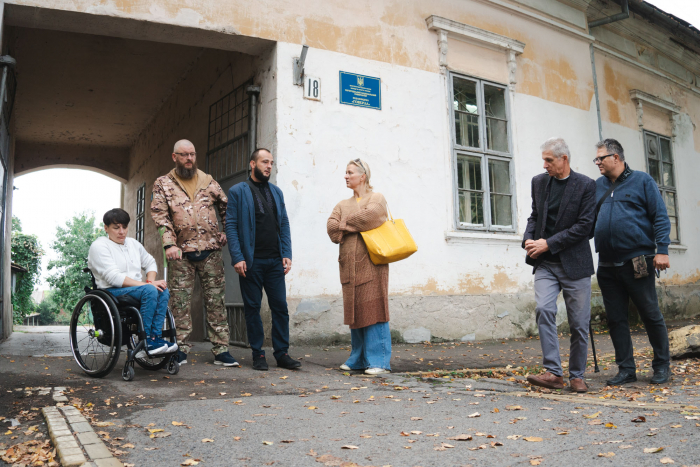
(371, 347)
(154, 305)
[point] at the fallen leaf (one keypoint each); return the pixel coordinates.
(268, 443)
(178, 423)
(606, 454)
(535, 461)
(415, 419)
(563, 433)
(128, 446)
(513, 407)
(190, 462)
(652, 450)
(349, 446)
(514, 436)
(104, 424)
(626, 446)
(155, 430)
(416, 432)
(639, 419)
(160, 435)
(313, 407)
(474, 415)
(667, 460)
(546, 408)
(207, 440)
(403, 433)
(677, 426)
(246, 394)
(692, 418)
(222, 393)
(532, 439)
(236, 438)
(495, 410)
(462, 437)
(335, 397)
(284, 377)
(593, 415)
(611, 426)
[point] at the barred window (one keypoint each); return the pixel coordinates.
(660, 166)
(140, 212)
(482, 152)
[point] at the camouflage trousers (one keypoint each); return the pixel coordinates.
(181, 276)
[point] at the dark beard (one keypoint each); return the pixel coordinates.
(259, 175)
(185, 173)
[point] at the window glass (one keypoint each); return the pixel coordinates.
(654, 171)
(670, 201)
(499, 185)
(665, 146)
(496, 124)
(471, 205)
(466, 113)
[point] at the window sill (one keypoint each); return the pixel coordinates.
(678, 247)
(482, 237)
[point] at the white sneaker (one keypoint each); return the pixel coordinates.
(377, 371)
(344, 367)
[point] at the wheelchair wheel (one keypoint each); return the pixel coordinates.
(173, 366)
(128, 373)
(95, 335)
(159, 361)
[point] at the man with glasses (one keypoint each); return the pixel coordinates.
(631, 237)
(184, 207)
(556, 241)
(260, 244)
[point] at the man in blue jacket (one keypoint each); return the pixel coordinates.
(631, 238)
(260, 243)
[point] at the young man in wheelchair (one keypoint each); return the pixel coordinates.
(116, 262)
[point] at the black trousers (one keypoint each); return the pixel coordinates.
(618, 285)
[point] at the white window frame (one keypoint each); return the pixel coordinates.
(484, 154)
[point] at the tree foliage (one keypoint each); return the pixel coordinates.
(26, 252)
(72, 245)
(48, 310)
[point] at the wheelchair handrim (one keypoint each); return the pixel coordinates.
(73, 339)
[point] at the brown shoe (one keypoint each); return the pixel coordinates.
(578, 385)
(546, 380)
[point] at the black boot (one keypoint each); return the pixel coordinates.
(259, 363)
(285, 361)
(623, 377)
(661, 375)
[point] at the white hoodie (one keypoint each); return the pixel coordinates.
(112, 262)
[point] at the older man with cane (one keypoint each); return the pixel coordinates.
(556, 242)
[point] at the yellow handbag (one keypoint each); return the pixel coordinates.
(390, 242)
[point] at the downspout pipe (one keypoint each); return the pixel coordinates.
(610, 19)
(253, 93)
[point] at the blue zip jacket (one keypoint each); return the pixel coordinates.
(632, 221)
(240, 224)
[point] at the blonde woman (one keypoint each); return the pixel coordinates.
(365, 285)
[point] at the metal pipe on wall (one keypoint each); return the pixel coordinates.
(610, 19)
(253, 93)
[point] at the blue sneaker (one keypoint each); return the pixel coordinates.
(181, 357)
(172, 347)
(225, 359)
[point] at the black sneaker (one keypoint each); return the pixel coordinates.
(181, 357)
(661, 375)
(225, 359)
(259, 363)
(285, 361)
(623, 377)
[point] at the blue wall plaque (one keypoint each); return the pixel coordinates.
(360, 90)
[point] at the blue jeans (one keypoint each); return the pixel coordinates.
(371, 347)
(268, 274)
(154, 305)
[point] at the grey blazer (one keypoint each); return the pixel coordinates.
(573, 227)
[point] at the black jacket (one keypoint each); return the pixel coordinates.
(573, 227)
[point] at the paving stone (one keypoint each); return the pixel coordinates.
(58, 427)
(75, 418)
(82, 427)
(58, 433)
(97, 451)
(69, 451)
(73, 460)
(67, 441)
(108, 463)
(60, 398)
(88, 438)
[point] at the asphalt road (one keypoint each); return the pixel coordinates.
(307, 416)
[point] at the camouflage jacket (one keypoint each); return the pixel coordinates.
(190, 224)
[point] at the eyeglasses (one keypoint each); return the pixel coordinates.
(187, 154)
(358, 161)
(598, 160)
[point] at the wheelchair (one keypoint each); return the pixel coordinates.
(101, 324)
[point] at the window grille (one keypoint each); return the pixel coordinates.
(140, 212)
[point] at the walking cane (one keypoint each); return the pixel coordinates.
(161, 231)
(595, 357)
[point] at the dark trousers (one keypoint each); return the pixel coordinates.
(618, 285)
(267, 274)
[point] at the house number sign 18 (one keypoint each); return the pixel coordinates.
(312, 88)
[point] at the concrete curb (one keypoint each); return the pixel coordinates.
(87, 450)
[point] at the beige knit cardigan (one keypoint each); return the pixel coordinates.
(365, 285)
